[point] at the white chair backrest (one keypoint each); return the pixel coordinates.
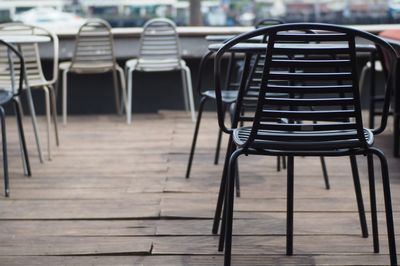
(159, 46)
(94, 46)
(30, 52)
(9, 69)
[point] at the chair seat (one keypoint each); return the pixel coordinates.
(155, 65)
(95, 67)
(295, 140)
(5, 96)
(227, 96)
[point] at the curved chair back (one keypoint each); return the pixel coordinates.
(316, 78)
(94, 48)
(268, 22)
(30, 51)
(11, 61)
(159, 46)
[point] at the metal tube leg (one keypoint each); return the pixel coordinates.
(289, 206)
(396, 134)
(54, 111)
(48, 119)
(218, 147)
(185, 90)
(229, 207)
(129, 96)
(64, 96)
(237, 178)
(222, 188)
(374, 216)
(196, 132)
(5, 157)
(34, 122)
(116, 91)
(284, 162)
(325, 173)
(357, 189)
(388, 206)
(25, 156)
(189, 88)
(278, 163)
(123, 89)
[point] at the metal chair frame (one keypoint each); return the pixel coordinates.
(160, 52)
(35, 75)
(94, 53)
(12, 66)
(344, 135)
(229, 96)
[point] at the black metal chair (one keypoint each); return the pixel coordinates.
(325, 121)
(229, 95)
(11, 84)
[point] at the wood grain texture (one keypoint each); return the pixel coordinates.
(116, 195)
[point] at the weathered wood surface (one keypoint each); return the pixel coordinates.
(116, 195)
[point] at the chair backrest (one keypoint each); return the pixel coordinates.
(159, 46)
(315, 76)
(30, 51)
(268, 22)
(94, 47)
(11, 63)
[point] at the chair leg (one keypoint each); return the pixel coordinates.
(278, 163)
(25, 156)
(374, 217)
(360, 202)
(218, 147)
(196, 132)
(116, 92)
(123, 105)
(188, 78)
(185, 90)
(289, 206)
(222, 188)
(54, 111)
(284, 162)
(237, 178)
(34, 122)
(48, 118)
(228, 209)
(325, 173)
(129, 76)
(5, 157)
(396, 135)
(388, 205)
(64, 96)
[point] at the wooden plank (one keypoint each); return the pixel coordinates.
(268, 245)
(240, 260)
(77, 228)
(77, 209)
(42, 245)
(116, 195)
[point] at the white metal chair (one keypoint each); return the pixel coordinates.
(34, 71)
(160, 51)
(94, 53)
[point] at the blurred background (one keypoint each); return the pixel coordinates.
(66, 14)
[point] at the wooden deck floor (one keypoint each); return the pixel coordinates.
(116, 195)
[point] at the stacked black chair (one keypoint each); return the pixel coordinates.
(11, 83)
(325, 121)
(229, 94)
